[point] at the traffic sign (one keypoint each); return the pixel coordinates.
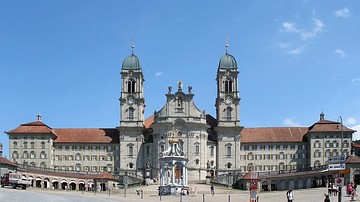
(337, 159)
(337, 166)
(339, 182)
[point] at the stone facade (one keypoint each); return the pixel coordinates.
(213, 146)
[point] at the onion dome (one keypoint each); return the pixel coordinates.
(131, 62)
(227, 61)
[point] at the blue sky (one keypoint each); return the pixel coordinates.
(63, 58)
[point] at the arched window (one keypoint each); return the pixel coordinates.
(197, 161)
(228, 112)
(317, 153)
(109, 167)
(25, 155)
(281, 155)
(281, 166)
(43, 155)
(78, 167)
(131, 85)
(77, 157)
(32, 164)
(32, 155)
(15, 155)
(228, 85)
(15, 145)
(317, 164)
(212, 151)
(42, 145)
(335, 153)
(317, 144)
(32, 145)
(250, 156)
(335, 144)
(327, 153)
(25, 145)
(327, 144)
(250, 167)
(42, 165)
(131, 112)
(131, 165)
(228, 165)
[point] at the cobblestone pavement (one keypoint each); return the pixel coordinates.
(150, 195)
(221, 194)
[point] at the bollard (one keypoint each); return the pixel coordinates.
(109, 192)
(229, 199)
(203, 197)
(125, 193)
(339, 194)
(180, 197)
(257, 199)
(141, 194)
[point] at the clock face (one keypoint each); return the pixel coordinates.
(228, 100)
(131, 100)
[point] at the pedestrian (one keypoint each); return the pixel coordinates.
(290, 195)
(327, 198)
(212, 190)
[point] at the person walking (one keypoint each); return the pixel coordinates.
(212, 189)
(290, 195)
(327, 198)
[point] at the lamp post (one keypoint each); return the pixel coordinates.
(341, 151)
(342, 135)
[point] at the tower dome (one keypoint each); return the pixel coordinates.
(227, 61)
(131, 62)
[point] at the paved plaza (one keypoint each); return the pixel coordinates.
(221, 195)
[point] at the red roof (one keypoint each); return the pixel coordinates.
(278, 134)
(328, 126)
(353, 159)
(36, 127)
(87, 135)
(5, 161)
(149, 121)
(105, 176)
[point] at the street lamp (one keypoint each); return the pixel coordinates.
(342, 134)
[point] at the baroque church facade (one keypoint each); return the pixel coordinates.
(213, 146)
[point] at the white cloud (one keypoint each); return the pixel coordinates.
(356, 136)
(340, 53)
(351, 120)
(296, 50)
(342, 13)
(291, 27)
(356, 79)
(284, 45)
(290, 122)
(158, 74)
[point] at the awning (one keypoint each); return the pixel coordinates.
(30, 178)
(54, 180)
(38, 179)
(63, 181)
(81, 182)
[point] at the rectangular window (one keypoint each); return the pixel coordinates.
(197, 150)
(228, 150)
(131, 151)
(93, 157)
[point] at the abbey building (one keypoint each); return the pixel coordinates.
(213, 145)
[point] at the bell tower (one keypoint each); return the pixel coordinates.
(228, 127)
(132, 102)
(227, 100)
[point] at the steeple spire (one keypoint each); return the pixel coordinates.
(132, 46)
(38, 116)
